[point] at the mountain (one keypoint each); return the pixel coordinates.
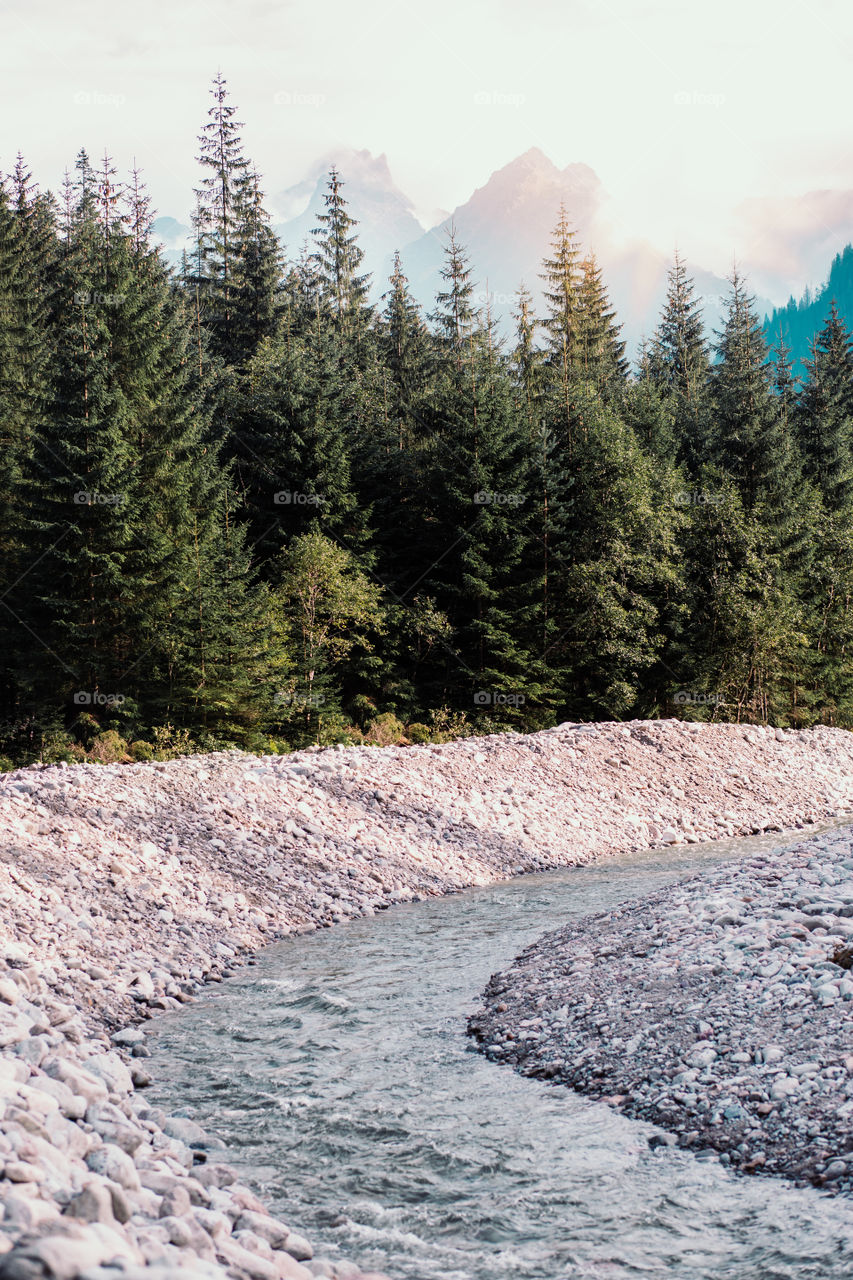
(173, 237)
(800, 320)
(387, 218)
(506, 226)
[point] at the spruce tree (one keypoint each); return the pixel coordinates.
(257, 272)
(528, 360)
(749, 440)
(454, 316)
(220, 202)
(825, 414)
(396, 452)
(481, 477)
(562, 274)
(123, 492)
(600, 350)
(338, 258)
(678, 364)
(293, 447)
(613, 566)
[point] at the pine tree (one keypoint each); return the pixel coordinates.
(219, 206)
(257, 272)
(613, 566)
(825, 414)
(600, 350)
(481, 574)
(338, 260)
(562, 275)
(454, 317)
(528, 359)
(678, 364)
(749, 441)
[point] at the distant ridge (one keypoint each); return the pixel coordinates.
(800, 320)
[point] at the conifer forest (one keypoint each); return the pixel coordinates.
(244, 504)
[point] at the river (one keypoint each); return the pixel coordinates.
(338, 1072)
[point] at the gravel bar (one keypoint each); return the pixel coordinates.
(720, 1009)
(125, 889)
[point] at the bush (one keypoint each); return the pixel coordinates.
(362, 708)
(58, 748)
(417, 732)
(340, 735)
(85, 728)
(141, 751)
(385, 731)
(169, 742)
(108, 748)
(448, 725)
(6, 765)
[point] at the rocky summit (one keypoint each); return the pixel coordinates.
(126, 888)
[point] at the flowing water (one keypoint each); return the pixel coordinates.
(339, 1074)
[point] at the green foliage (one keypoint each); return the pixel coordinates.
(385, 731)
(108, 748)
(242, 506)
(418, 733)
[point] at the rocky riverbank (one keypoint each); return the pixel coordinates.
(720, 1008)
(125, 889)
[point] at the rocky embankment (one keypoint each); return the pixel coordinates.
(720, 1008)
(124, 889)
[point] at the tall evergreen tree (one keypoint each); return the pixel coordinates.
(220, 203)
(454, 317)
(749, 440)
(600, 349)
(678, 364)
(257, 272)
(825, 414)
(561, 275)
(481, 574)
(338, 259)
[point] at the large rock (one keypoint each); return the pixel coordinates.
(110, 1068)
(115, 1164)
(66, 1256)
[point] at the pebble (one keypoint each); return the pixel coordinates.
(124, 889)
(621, 997)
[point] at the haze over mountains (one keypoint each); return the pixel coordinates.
(506, 227)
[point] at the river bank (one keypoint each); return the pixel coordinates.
(720, 1008)
(126, 888)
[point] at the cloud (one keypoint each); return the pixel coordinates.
(788, 241)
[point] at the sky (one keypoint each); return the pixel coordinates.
(710, 125)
